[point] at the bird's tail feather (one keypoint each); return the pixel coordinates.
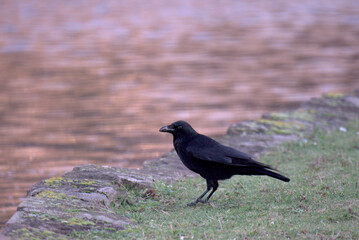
(273, 174)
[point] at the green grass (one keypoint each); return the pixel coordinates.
(320, 202)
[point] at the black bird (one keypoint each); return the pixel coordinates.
(212, 160)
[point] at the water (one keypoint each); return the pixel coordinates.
(93, 81)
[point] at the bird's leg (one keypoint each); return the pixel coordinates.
(214, 188)
(210, 184)
(199, 198)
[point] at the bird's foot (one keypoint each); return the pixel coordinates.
(191, 204)
(194, 203)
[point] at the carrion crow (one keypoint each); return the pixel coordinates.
(212, 160)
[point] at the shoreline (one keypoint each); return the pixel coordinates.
(82, 199)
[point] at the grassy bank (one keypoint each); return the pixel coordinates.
(321, 201)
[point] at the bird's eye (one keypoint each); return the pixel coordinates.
(179, 127)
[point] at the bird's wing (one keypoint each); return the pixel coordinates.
(207, 154)
(208, 149)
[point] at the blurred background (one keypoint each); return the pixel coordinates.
(92, 81)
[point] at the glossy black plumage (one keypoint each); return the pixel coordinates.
(212, 160)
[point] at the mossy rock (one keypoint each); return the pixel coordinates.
(267, 126)
(30, 233)
(299, 115)
(53, 195)
(57, 181)
(282, 127)
(333, 95)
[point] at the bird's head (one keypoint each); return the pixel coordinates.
(178, 128)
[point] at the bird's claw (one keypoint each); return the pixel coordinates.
(194, 203)
(191, 204)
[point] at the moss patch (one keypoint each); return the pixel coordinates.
(55, 181)
(87, 182)
(276, 123)
(35, 234)
(77, 221)
(282, 127)
(302, 115)
(334, 95)
(53, 195)
(87, 185)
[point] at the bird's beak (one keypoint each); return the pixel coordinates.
(167, 129)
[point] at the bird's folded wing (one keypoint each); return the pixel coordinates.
(221, 154)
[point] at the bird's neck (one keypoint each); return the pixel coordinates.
(183, 138)
(185, 135)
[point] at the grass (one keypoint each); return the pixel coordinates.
(320, 202)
